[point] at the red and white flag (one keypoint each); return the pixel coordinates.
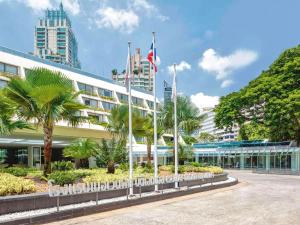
(152, 56)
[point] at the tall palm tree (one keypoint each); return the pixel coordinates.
(45, 97)
(188, 116)
(81, 149)
(146, 129)
(7, 112)
(118, 122)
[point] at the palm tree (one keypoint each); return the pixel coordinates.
(188, 116)
(7, 112)
(81, 149)
(118, 122)
(146, 129)
(45, 97)
(111, 152)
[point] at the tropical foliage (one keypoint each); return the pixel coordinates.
(7, 112)
(10, 184)
(45, 97)
(206, 137)
(111, 152)
(271, 102)
(81, 149)
(146, 129)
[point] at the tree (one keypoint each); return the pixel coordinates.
(114, 72)
(111, 152)
(7, 113)
(188, 116)
(146, 129)
(253, 131)
(271, 101)
(81, 149)
(45, 97)
(206, 137)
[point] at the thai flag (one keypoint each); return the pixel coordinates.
(152, 57)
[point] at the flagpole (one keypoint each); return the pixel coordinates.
(130, 122)
(155, 116)
(175, 125)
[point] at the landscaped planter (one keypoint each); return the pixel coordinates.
(17, 203)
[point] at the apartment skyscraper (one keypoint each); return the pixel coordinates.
(54, 39)
(141, 71)
(167, 92)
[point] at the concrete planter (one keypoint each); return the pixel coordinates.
(18, 203)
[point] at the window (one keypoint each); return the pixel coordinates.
(108, 106)
(137, 101)
(3, 83)
(1, 67)
(123, 98)
(88, 89)
(8, 69)
(150, 104)
(96, 118)
(104, 92)
(90, 102)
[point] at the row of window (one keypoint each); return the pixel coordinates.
(6, 68)
(96, 104)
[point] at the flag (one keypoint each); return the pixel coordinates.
(174, 91)
(128, 75)
(152, 56)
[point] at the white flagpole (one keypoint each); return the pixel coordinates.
(130, 122)
(155, 116)
(175, 125)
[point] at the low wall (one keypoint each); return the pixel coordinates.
(18, 203)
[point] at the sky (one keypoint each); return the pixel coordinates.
(218, 45)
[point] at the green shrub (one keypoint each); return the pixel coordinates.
(62, 166)
(181, 169)
(196, 164)
(124, 166)
(63, 177)
(10, 184)
(166, 168)
(16, 171)
(148, 169)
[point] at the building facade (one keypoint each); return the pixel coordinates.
(140, 70)
(54, 38)
(209, 126)
(101, 94)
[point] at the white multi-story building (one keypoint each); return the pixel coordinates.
(209, 126)
(101, 94)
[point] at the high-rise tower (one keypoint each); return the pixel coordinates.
(54, 39)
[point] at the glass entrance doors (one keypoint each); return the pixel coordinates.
(37, 157)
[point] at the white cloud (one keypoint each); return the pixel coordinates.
(221, 66)
(37, 5)
(118, 19)
(226, 83)
(72, 6)
(183, 65)
(143, 4)
(204, 101)
(148, 8)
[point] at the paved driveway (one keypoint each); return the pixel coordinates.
(257, 199)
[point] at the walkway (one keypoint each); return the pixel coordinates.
(257, 199)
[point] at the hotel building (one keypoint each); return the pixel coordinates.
(54, 38)
(101, 94)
